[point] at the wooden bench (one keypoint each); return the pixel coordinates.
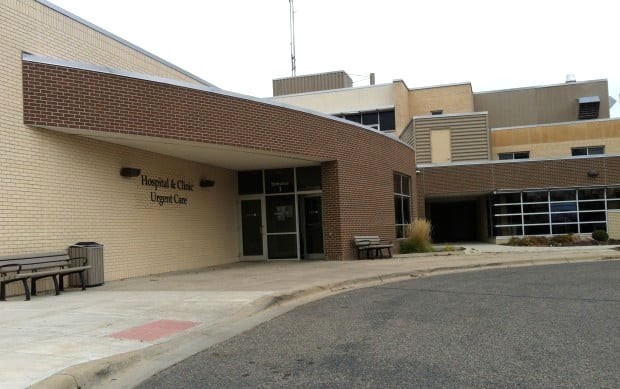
(34, 267)
(373, 246)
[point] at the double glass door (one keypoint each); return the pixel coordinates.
(282, 227)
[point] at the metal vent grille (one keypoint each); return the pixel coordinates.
(588, 107)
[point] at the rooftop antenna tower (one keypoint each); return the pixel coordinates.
(292, 21)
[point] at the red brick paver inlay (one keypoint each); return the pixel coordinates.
(155, 330)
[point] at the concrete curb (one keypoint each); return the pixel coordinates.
(116, 371)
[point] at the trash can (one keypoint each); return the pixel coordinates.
(93, 252)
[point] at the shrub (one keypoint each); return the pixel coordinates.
(418, 237)
(562, 240)
(534, 241)
(600, 235)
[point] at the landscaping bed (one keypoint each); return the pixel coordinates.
(597, 238)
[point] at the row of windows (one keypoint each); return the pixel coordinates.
(575, 152)
(379, 120)
(553, 211)
(275, 181)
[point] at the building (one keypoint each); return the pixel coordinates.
(102, 141)
(540, 160)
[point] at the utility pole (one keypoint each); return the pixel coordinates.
(292, 22)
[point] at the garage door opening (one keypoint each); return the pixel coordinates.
(458, 220)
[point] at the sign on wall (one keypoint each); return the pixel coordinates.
(167, 191)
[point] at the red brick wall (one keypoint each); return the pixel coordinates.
(486, 177)
(357, 174)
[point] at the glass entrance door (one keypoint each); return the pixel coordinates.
(311, 222)
(252, 236)
(281, 227)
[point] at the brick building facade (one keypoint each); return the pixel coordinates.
(102, 141)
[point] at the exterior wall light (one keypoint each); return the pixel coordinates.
(206, 183)
(130, 172)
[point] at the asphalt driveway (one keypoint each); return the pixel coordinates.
(543, 326)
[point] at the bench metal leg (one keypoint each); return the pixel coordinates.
(56, 287)
(33, 286)
(82, 279)
(26, 290)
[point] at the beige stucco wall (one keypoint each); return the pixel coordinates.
(541, 104)
(59, 189)
(449, 98)
(343, 100)
(549, 141)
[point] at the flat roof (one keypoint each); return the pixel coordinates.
(541, 86)
(313, 75)
(331, 90)
(440, 85)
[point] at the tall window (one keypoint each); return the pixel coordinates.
(379, 120)
(402, 203)
(588, 150)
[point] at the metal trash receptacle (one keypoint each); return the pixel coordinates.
(93, 252)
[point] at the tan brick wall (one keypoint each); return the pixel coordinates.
(613, 224)
(58, 189)
(401, 106)
(365, 98)
(450, 98)
(553, 141)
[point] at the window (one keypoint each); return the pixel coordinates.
(309, 178)
(552, 212)
(589, 150)
(437, 112)
(279, 181)
(379, 120)
(402, 203)
(514, 155)
(250, 182)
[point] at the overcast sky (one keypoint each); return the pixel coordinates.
(242, 45)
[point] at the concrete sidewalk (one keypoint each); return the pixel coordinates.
(119, 334)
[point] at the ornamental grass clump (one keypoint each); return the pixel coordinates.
(418, 238)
